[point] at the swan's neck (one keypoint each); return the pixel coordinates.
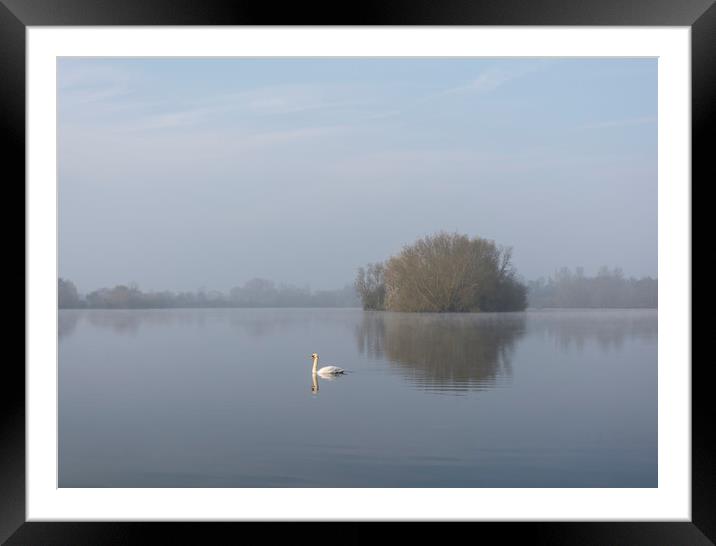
(315, 365)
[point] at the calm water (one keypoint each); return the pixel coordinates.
(225, 398)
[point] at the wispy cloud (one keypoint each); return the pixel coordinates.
(254, 104)
(621, 123)
(268, 138)
(88, 84)
(290, 99)
(490, 80)
(171, 120)
(485, 83)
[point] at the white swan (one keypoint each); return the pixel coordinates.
(327, 370)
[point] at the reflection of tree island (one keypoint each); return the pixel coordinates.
(456, 351)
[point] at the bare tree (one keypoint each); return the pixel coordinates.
(370, 285)
(450, 272)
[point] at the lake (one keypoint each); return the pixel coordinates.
(226, 398)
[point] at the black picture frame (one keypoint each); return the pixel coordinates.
(16, 15)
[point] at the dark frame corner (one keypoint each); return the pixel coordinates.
(16, 15)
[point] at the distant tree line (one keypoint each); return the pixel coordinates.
(444, 272)
(254, 293)
(609, 288)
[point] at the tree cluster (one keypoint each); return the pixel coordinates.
(444, 272)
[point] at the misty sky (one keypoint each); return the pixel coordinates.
(183, 174)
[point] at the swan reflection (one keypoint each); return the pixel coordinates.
(315, 383)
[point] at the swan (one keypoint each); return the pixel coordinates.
(327, 370)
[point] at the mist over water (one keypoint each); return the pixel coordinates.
(225, 398)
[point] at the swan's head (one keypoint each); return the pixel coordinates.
(314, 356)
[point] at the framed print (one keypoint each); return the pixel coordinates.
(401, 268)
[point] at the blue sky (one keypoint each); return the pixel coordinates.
(189, 173)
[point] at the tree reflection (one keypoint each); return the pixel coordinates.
(255, 323)
(443, 352)
(66, 323)
(572, 330)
